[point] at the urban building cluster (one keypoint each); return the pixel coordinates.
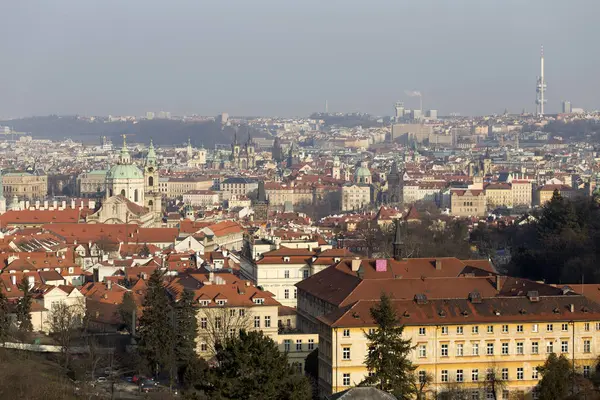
(260, 230)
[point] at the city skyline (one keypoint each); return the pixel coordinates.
(288, 60)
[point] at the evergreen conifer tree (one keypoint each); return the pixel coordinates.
(4, 318)
(187, 328)
(252, 367)
(156, 326)
(24, 307)
(126, 310)
(388, 355)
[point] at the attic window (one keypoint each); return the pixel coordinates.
(533, 296)
(475, 297)
(204, 302)
(259, 301)
(420, 298)
(406, 314)
(221, 302)
(442, 313)
(355, 315)
(556, 310)
(523, 311)
(464, 313)
(286, 259)
(497, 313)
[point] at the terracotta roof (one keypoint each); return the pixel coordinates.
(226, 286)
(460, 311)
(39, 217)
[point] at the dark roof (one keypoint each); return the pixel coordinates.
(239, 180)
(363, 393)
(464, 311)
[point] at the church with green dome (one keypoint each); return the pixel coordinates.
(132, 195)
(126, 179)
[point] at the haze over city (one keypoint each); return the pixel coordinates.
(270, 57)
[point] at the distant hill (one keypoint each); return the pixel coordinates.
(162, 131)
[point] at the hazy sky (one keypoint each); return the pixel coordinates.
(286, 57)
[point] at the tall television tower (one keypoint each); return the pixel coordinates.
(541, 87)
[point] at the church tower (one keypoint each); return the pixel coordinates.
(250, 150)
(189, 149)
(152, 192)
(2, 198)
(151, 170)
(335, 170)
(235, 151)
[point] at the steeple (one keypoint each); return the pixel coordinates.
(397, 245)
(190, 150)
(124, 157)
(151, 156)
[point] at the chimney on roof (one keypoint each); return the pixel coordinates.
(211, 277)
(572, 307)
(109, 284)
(356, 264)
(438, 264)
(498, 282)
(13, 279)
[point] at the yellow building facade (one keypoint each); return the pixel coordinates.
(464, 354)
(465, 321)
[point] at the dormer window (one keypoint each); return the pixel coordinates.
(259, 301)
(71, 269)
(221, 302)
(204, 302)
(286, 259)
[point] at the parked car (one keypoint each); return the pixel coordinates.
(101, 379)
(149, 385)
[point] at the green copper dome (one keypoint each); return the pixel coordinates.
(124, 171)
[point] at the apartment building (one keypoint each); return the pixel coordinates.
(499, 195)
(465, 321)
(239, 186)
(545, 193)
(29, 185)
(174, 187)
(522, 192)
(226, 304)
(422, 191)
(201, 198)
(279, 270)
(92, 184)
(355, 196)
(468, 202)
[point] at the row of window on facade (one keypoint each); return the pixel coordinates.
(287, 345)
(505, 348)
(218, 321)
(564, 327)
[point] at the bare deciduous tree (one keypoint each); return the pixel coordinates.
(65, 322)
(217, 323)
(493, 382)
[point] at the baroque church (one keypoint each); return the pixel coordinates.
(243, 157)
(132, 196)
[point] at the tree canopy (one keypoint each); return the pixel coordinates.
(557, 377)
(251, 367)
(563, 246)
